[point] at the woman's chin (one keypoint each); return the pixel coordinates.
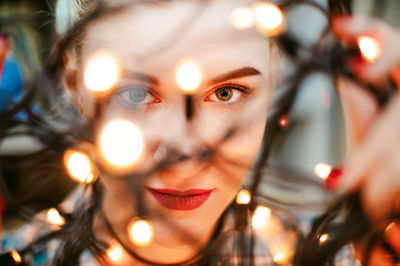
(179, 234)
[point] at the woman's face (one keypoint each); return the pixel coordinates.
(149, 41)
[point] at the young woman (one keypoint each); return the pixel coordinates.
(237, 81)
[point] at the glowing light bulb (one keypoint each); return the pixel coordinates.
(121, 143)
(260, 217)
(54, 217)
(141, 232)
(16, 257)
(279, 257)
(369, 47)
(242, 18)
(323, 238)
(188, 76)
(79, 166)
(269, 18)
(102, 72)
(322, 170)
(283, 121)
(243, 197)
(115, 253)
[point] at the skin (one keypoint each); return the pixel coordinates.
(372, 164)
(219, 50)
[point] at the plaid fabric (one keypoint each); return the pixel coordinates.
(43, 254)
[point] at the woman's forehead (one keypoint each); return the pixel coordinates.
(178, 29)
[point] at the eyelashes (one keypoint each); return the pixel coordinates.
(229, 93)
(141, 95)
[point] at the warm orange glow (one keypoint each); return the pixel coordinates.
(283, 121)
(279, 257)
(121, 143)
(322, 170)
(79, 166)
(369, 47)
(54, 217)
(141, 232)
(115, 254)
(260, 217)
(243, 197)
(188, 76)
(242, 18)
(269, 18)
(323, 238)
(16, 257)
(102, 72)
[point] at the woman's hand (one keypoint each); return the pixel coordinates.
(373, 161)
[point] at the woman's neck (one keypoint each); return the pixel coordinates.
(111, 227)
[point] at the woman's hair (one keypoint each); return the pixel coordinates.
(68, 12)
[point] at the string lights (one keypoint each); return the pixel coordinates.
(369, 47)
(101, 73)
(121, 143)
(243, 197)
(323, 170)
(141, 232)
(242, 18)
(79, 166)
(116, 254)
(260, 217)
(269, 18)
(16, 256)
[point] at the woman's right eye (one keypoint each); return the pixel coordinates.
(134, 96)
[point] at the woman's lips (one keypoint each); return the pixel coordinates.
(181, 200)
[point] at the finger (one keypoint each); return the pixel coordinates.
(347, 29)
(379, 257)
(378, 142)
(380, 190)
(392, 236)
(350, 29)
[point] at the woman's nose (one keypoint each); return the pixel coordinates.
(182, 145)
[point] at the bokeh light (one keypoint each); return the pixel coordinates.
(54, 217)
(243, 197)
(242, 18)
(140, 232)
(121, 143)
(115, 254)
(260, 217)
(16, 256)
(269, 18)
(279, 257)
(283, 121)
(323, 238)
(188, 76)
(102, 72)
(79, 166)
(322, 170)
(369, 47)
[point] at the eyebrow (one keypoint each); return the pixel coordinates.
(141, 77)
(238, 73)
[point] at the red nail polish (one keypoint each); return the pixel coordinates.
(332, 180)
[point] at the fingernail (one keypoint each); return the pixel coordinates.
(332, 180)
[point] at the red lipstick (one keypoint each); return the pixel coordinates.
(180, 200)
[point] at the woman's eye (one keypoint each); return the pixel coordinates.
(227, 94)
(136, 96)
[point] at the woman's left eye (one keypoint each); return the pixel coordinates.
(135, 96)
(227, 94)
